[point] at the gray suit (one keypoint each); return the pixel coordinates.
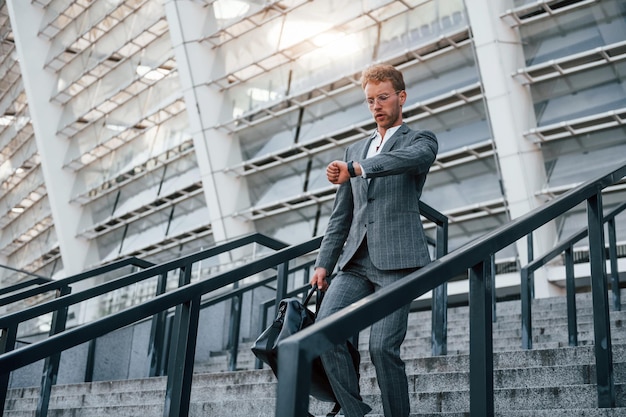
(375, 234)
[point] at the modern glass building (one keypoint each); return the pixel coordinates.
(156, 128)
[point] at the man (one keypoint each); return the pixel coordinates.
(376, 234)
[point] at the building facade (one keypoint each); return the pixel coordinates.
(156, 128)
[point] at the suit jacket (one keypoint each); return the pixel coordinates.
(384, 207)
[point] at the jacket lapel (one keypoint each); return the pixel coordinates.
(366, 147)
(394, 138)
(364, 185)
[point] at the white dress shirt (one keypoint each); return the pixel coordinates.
(376, 145)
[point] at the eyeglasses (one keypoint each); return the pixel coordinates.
(381, 98)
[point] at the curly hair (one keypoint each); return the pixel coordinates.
(383, 72)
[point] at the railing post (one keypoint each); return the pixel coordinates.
(281, 284)
(570, 285)
(617, 304)
(182, 352)
(439, 308)
(157, 333)
(294, 381)
(184, 275)
(526, 301)
(599, 294)
(235, 325)
(180, 372)
(8, 337)
(531, 257)
(90, 361)
(481, 343)
(492, 275)
(51, 364)
(263, 307)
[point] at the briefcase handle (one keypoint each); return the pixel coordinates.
(318, 300)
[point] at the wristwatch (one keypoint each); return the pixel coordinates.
(351, 169)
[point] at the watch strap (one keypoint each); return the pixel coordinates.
(351, 169)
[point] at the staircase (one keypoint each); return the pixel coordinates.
(551, 380)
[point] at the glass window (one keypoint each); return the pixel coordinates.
(458, 127)
(583, 29)
(581, 166)
(580, 94)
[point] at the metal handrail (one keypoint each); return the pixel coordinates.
(186, 299)
(55, 285)
(296, 353)
(439, 298)
(59, 306)
(15, 318)
(567, 247)
(38, 280)
(48, 284)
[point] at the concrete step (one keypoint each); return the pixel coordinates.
(546, 334)
(508, 402)
(444, 376)
(594, 412)
(550, 380)
(502, 360)
(539, 320)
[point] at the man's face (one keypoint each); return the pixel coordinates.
(385, 103)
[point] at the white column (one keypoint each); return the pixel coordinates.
(499, 54)
(32, 51)
(215, 150)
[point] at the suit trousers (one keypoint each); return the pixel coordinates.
(358, 279)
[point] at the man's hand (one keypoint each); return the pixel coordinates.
(319, 278)
(337, 171)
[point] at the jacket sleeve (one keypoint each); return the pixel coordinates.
(416, 158)
(338, 227)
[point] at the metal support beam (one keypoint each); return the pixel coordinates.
(492, 274)
(599, 294)
(281, 284)
(293, 396)
(263, 308)
(51, 364)
(526, 301)
(235, 320)
(8, 337)
(180, 373)
(481, 343)
(182, 352)
(157, 334)
(570, 283)
(439, 334)
(439, 339)
(91, 359)
(531, 256)
(617, 303)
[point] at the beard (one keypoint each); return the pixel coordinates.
(386, 120)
